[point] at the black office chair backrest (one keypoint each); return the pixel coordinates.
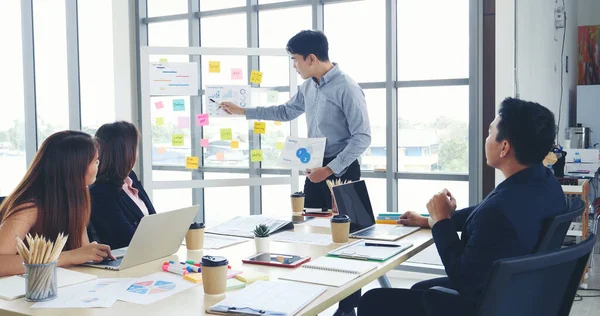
(555, 229)
(2, 199)
(538, 284)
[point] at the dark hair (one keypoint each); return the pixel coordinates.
(528, 127)
(309, 42)
(55, 183)
(118, 151)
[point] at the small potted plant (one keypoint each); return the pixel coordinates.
(261, 238)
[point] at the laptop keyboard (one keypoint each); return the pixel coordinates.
(111, 263)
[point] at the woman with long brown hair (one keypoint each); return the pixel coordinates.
(118, 199)
(53, 197)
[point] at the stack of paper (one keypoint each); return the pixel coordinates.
(243, 226)
(303, 238)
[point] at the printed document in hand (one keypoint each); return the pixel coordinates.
(239, 95)
(302, 153)
(269, 298)
(243, 226)
(96, 293)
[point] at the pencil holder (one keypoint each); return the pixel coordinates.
(40, 282)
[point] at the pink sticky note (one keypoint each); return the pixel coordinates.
(236, 73)
(159, 105)
(202, 119)
(184, 122)
(204, 142)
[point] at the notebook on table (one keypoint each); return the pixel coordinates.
(268, 298)
(330, 271)
(243, 226)
(13, 287)
(366, 250)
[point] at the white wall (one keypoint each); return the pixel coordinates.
(588, 12)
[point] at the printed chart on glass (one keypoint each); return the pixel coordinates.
(302, 153)
(239, 95)
(173, 78)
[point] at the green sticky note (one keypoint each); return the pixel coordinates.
(226, 134)
(177, 140)
(256, 155)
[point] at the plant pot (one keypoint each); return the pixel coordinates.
(262, 244)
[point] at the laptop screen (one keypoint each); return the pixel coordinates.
(353, 200)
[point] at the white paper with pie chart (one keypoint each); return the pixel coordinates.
(155, 287)
(302, 153)
(239, 95)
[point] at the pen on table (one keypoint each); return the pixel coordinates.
(373, 244)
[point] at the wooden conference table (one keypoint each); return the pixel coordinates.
(194, 302)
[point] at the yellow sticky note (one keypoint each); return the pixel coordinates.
(235, 144)
(163, 60)
(177, 140)
(277, 123)
(260, 127)
(214, 66)
(256, 155)
(256, 77)
(220, 156)
(191, 162)
(226, 134)
(279, 145)
(161, 150)
(160, 121)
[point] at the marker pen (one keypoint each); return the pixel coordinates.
(174, 269)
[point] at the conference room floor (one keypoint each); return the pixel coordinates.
(586, 307)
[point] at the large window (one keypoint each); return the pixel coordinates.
(223, 203)
(12, 128)
(51, 81)
(162, 7)
(96, 65)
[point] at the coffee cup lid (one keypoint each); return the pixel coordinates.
(297, 194)
(214, 261)
(196, 225)
(340, 218)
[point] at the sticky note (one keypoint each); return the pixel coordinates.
(183, 122)
(161, 150)
(236, 73)
(226, 134)
(163, 60)
(201, 119)
(160, 121)
(256, 155)
(204, 142)
(177, 140)
(260, 127)
(220, 156)
(256, 77)
(159, 105)
(214, 66)
(235, 144)
(279, 145)
(277, 123)
(272, 96)
(191, 162)
(179, 105)
(193, 277)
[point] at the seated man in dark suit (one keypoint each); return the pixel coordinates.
(507, 223)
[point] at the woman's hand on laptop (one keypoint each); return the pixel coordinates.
(91, 252)
(410, 218)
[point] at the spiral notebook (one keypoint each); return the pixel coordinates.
(330, 271)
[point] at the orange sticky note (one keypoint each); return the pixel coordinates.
(214, 66)
(260, 127)
(235, 144)
(277, 123)
(220, 156)
(256, 77)
(256, 155)
(191, 162)
(161, 150)
(204, 142)
(279, 145)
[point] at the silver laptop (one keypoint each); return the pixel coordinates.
(157, 236)
(353, 200)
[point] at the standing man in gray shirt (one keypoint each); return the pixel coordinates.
(335, 108)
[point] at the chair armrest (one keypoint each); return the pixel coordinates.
(444, 290)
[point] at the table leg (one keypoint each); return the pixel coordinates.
(384, 282)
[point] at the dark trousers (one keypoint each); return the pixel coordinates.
(411, 302)
(317, 195)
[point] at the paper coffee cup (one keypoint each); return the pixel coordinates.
(340, 228)
(214, 274)
(194, 239)
(297, 202)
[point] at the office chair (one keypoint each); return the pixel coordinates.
(555, 229)
(538, 284)
(2, 199)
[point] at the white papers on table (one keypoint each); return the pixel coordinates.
(303, 238)
(302, 153)
(243, 226)
(212, 241)
(174, 78)
(13, 287)
(96, 293)
(270, 297)
(319, 222)
(154, 287)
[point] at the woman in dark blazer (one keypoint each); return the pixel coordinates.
(118, 199)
